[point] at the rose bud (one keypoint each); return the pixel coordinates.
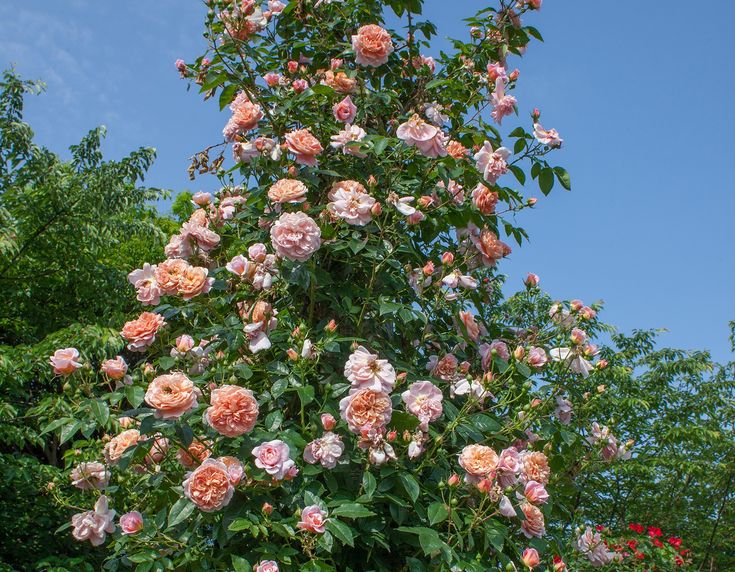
(331, 326)
(428, 268)
(292, 354)
(531, 280)
(328, 421)
(453, 481)
(376, 209)
(530, 558)
(448, 258)
(267, 508)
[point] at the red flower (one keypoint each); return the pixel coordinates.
(657, 543)
(636, 527)
(632, 544)
(599, 528)
(675, 541)
(653, 531)
(640, 555)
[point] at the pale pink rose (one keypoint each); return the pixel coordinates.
(535, 467)
(205, 238)
(168, 275)
(427, 138)
(328, 421)
(345, 110)
(65, 361)
(505, 507)
(194, 281)
(257, 252)
(274, 458)
(178, 247)
(272, 79)
(575, 362)
(421, 61)
(500, 349)
(478, 461)
(181, 67)
(94, 525)
(131, 522)
(444, 368)
(201, 199)
(262, 322)
(246, 151)
(372, 45)
(300, 85)
(235, 470)
(172, 395)
(267, 565)
(503, 105)
(591, 544)
(470, 324)
(537, 357)
(287, 191)
(141, 332)
(530, 558)
(484, 199)
(563, 410)
(349, 140)
(240, 266)
(233, 411)
(116, 446)
(587, 313)
(245, 116)
(535, 493)
(490, 247)
(492, 163)
(325, 450)
(144, 281)
(509, 465)
(126, 422)
(496, 70)
(195, 454)
(367, 371)
(184, 343)
(578, 336)
(90, 476)
(424, 400)
(209, 486)
(304, 146)
(350, 202)
(114, 368)
(365, 410)
(534, 4)
(548, 137)
(313, 519)
(533, 525)
(296, 236)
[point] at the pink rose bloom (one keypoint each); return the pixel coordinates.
(304, 146)
(158, 450)
(424, 400)
(267, 565)
(509, 465)
(114, 368)
(486, 352)
(287, 191)
(530, 558)
(209, 486)
(505, 507)
(296, 236)
(532, 280)
(427, 138)
(205, 238)
(257, 252)
(144, 281)
(365, 410)
(172, 395)
(478, 461)
(90, 476)
(94, 525)
(421, 61)
(350, 202)
(272, 79)
(444, 368)
(178, 247)
(470, 324)
(349, 140)
(245, 116)
(535, 493)
(65, 361)
(345, 110)
(313, 519)
(201, 199)
(233, 411)
(503, 104)
(183, 344)
(578, 336)
(300, 85)
(116, 447)
(533, 525)
(235, 470)
(328, 421)
(131, 522)
(492, 163)
(367, 371)
(325, 450)
(240, 266)
(484, 199)
(372, 45)
(548, 137)
(141, 332)
(274, 458)
(537, 357)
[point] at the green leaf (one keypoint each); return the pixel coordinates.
(428, 538)
(352, 510)
(239, 564)
(341, 531)
(402, 421)
(240, 524)
(243, 371)
(519, 146)
(563, 178)
(135, 395)
(180, 511)
(437, 512)
(227, 95)
(519, 173)
(306, 394)
(546, 180)
(69, 431)
(379, 145)
(411, 485)
(369, 484)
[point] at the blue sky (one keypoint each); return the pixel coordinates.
(640, 91)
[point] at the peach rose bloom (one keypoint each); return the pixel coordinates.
(141, 333)
(340, 82)
(169, 273)
(533, 525)
(490, 247)
(209, 486)
(366, 409)
(172, 395)
(305, 146)
(296, 236)
(313, 519)
(349, 201)
(194, 281)
(115, 368)
(119, 444)
(233, 411)
(484, 199)
(372, 45)
(65, 361)
(195, 454)
(287, 191)
(536, 467)
(479, 461)
(468, 319)
(456, 150)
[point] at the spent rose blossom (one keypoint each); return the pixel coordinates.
(233, 411)
(325, 450)
(131, 522)
(65, 361)
(372, 45)
(548, 137)
(345, 110)
(287, 191)
(172, 395)
(304, 146)
(492, 162)
(209, 486)
(90, 476)
(367, 371)
(313, 519)
(350, 202)
(115, 448)
(424, 400)
(141, 332)
(296, 236)
(503, 105)
(94, 525)
(366, 409)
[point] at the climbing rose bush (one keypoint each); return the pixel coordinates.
(324, 374)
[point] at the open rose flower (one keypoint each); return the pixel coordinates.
(194, 281)
(115, 368)
(195, 454)
(365, 410)
(427, 138)
(116, 446)
(267, 566)
(172, 395)
(90, 476)
(94, 525)
(340, 81)
(490, 247)
(141, 332)
(325, 450)
(65, 361)
(372, 45)
(209, 486)
(484, 199)
(533, 525)
(367, 371)
(492, 163)
(348, 140)
(131, 522)
(233, 411)
(503, 105)
(144, 281)
(350, 202)
(535, 467)
(424, 400)
(296, 236)
(313, 519)
(235, 470)
(287, 191)
(345, 111)
(274, 458)
(479, 462)
(548, 137)
(168, 275)
(304, 146)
